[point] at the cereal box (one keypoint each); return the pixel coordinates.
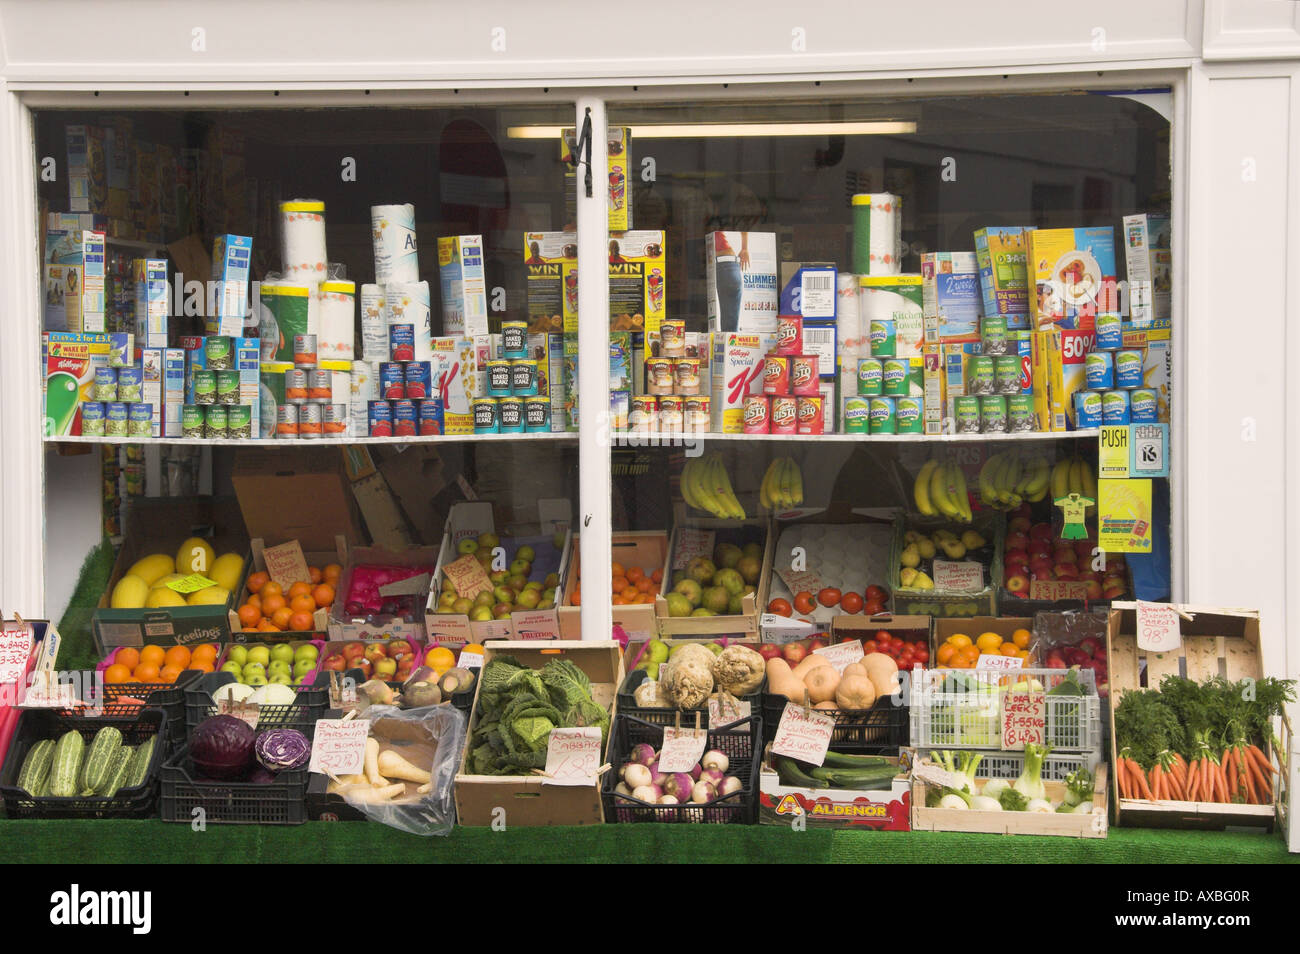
(619, 173)
(551, 273)
(464, 288)
(950, 297)
(638, 281)
(737, 372)
(150, 276)
(1149, 265)
(1002, 255)
(1072, 276)
(741, 282)
(458, 374)
(231, 261)
(1154, 340)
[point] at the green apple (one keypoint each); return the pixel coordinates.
(468, 545)
(526, 553)
(232, 666)
(238, 654)
(701, 611)
(656, 651)
(497, 577)
(303, 666)
(481, 614)
(503, 594)
(521, 567)
(484, 598)
(278, 667)
(282, 652)
(552, 580)
(516, 581)
(257, 679)
(548, 603)
(305, 651)
(260, 655)
(529, 599)
(462, 605)
(281, 679)
(489, 541)
(253, 669)
(533, 585)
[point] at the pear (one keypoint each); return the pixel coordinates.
(972, 540)
(908, 577)
(911, 556)
(954, 549)
(926, 548)
(922, 582)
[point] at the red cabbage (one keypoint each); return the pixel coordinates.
(281, 750)
(222, 747)
(261, 776)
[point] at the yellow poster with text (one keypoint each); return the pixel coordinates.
(1124, 516)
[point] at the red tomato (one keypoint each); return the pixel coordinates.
(803, 602)
(872, 607)
(922, 654)
(851, 602)
(877, 594)
(869, 646)
(780, 607)
(829, 596)
(883, 638)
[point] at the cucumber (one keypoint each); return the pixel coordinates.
(791, 774)
(67, 764)
(99, 757)
(36, 767)
(881, 776)
(842, 760)
(138, 767)
(116, 772)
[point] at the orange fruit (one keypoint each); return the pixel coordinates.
(169, 673)
(988, 642)
(257, 580)
(271, 604)
(207, 651)
(648, 598)
(281, 617)
(945, 654)
(248, 616)
(177, 656)
(969, 656)
(960, 640)
(300, 622)
(634, 573)
(255, 600)
(618, 601)
(472, 648)
(644, 584)
(331, 573)
(117, 673)
(323, 595)
(299, 589)
(271, 588)
(619, 583)
(266, 626)
(440, 658)
(127, 656)
(153, 656)
(616, 569)
(145, 673)
(575, 599)
(657, 576)
(1009, 649)
(202, 665)
(1020, 638)
(315, 574)
(629, 594)
(303, 603)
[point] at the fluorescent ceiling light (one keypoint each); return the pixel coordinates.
(711, 130)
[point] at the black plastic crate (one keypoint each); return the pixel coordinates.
(302, 715)
(741, 742)
(882, 727)
(37, 724)
(657, 716)
(279, 802)
(122, 700)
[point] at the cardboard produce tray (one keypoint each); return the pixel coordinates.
(739, 532)
(643, 548)
(935, 602)
(1091, 825)
(849, 554)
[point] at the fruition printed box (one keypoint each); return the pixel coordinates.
(1072, 276)
(1149, 267)
(231, 259)
(638, 282)
(464, 287)
(150, 275)
(950, 297)
(737, 372)
(741, 282)
(1002, 255)
(551, 273)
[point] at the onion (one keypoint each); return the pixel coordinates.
(713, 759)
(636, 775)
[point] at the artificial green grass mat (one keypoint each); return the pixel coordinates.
(110, 842)
(78, 649)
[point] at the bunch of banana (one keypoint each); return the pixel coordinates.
(1009, 479)
(1074, 475)
(940, 488)
(782, 485)
(706, 486)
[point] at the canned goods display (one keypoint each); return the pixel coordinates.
(672, 413)
(1115, 408)
(514, 340)
(993, 414)
(105, 385)
(893, 376)
(498, 379)
(881, 416)
(205, 387)
(659, 376)
(1087, 409)
(1020, 413)
(139, 420)
(696, 414)
(511, 412)
(909, 415)
(758, 414)
(304, 352)
(309, 422)
(1006, 373)
(811, 417)
(418, 378)
(217, 352)
(856, 414)
(215, 422)
(239, 421)
(92, 419)
(672, 338)
(130, 384)
(486, 419)
(881, 334)
(1110, 333)
(789, 335)
(785, 414)
(1099, 370)
(686, 374)
(295, 385)
(227, 387)
(803, 376)
(333, 420)
(116, 422)
(379, 416)
(966, 414)
(192, 420)
(776, 376)
(981, 374)
(537, 415)
(1143, 406)
(392, 380)
(870, 376)
(401, 342)
(1128, 369)
(523, 378)
(643, 415)
(430, 417)
(406, 419)
(993, 334)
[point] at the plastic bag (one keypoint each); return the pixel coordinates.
(432, 737)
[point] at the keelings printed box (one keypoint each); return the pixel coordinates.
(464, 287)
(950, 297)
(638, 281)
(151, 305)
(741, 282)
(231, 260)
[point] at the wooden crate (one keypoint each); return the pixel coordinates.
(1216, 642)
(1093, 825)
(643, 548)
(745, 624)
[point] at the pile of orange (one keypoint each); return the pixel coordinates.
(270, 608)
(158, 664)
(629, 585)
(959, 651)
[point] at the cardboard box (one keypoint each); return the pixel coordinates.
(680, 549)
(75, 281)
(638, 282)
(619, 173)
(343, 626)
(70, 360)
(257, 564)
(460, 364)
(524, 799)
(1149, 266)
(950, 297)
(87, 169)
(160, 526)
(296, 494)
(935, 602)
(737, 371)
(551, 277)
(1157, 362)
(1057, 367)
(231, 261)
(1072, 276)
(867, 809)
(740, 299)
(151, 301)
(164, 388)
(464, 288)
(808, 291)
(1003, 255)
(647, 549)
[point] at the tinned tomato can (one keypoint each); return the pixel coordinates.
(320, 386)
(789, 335)
(309, 421)
(392, 380)
(405, 418)
(401, 342)
(758, 414)
(776, 375)
(295, 385)
(810, 416)
(286, 420)
(380, 418)
(785, 415)
(304, 351)
(419, 379)
(803, 376)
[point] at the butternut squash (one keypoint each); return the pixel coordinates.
(883, 673)
(781, 681)
(809, 662)
(855, 690)
(821, 682)
(829, 706)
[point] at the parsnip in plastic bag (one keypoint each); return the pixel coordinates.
(411, 761)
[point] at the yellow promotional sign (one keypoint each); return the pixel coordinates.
(1124, 516)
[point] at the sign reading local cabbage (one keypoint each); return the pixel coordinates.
(572, 756)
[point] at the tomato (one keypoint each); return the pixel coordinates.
(869, 646)
(828, 596)
(780, 607)
(871, 607)
(922, 654)
(883, 638)
(877, 594)
(803, 602)
(851, 602)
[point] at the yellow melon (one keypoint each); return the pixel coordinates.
(152, 568)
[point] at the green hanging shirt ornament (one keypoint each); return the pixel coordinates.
(1075, 506)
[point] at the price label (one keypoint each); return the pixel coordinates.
(1024, 718)
(15, 648)
(841, 655)
(191, 584)
(244, 711)
(799, 581)
(994, 661)
(468, 576)
(339, 746)
(692, 544)
(682, 749)
(726, 709)
(468, 660)
(286, 564)
(1157, 627)
(1058, 590)
(343, 691)
(572, 756)
(804, 734)
(965, 576)
(932, 774)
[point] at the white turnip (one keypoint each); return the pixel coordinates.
(713, 759)
(637, 775)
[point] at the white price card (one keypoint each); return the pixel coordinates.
(804, 734)
(682, 749)
(965, 576)
(573, 756)
(932, 774)
(726, 709)
(841, 655)
(1157, 627)
(692, 544)
(1024, 718)
(244, 711)
(470, 660)
(339, 746)
(15, 647)
(994, 661)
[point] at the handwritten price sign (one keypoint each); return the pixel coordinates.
(468, 576)
(963, 577)
(692, 544)
(15, 647)
(726, 710)
(572, 756)
(1000, 663)
(682, 749)
(1024, 719)
(1157, 627)
(1058, 590)
(804, 734)
(286, 563)
(339, 747)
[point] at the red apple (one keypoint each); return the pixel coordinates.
(1041, 531)
(1064, 555)
(769, 651)
(1018, 525)
(1018, 540)
(353, 650)
(362, 663)
(1094, 589)
(385, 668)
(1016, 557)
(1083, 549)
(1076, 656)
(1090, 645)
(1065, 571)
(398, 647)
(335, 662)
(817, 643)
(794, 653)
(1038, 550)
(1042, 568)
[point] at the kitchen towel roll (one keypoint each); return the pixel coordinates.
(285, 309)
(408, 304)
(364, 384)
(877, 233)
(850, 333)
(897, 299)
(392, 227)
(374, 327)
(336, 339)
(302, 240)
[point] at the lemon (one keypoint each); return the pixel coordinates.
(161, 596)
(209, 596)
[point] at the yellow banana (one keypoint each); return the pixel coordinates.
(921, 488)
(1076, 481)
(1061, 479)
(988, 496)
(939, 493)
(703, 489)
(796, 479)
(961, 492)
(685, 483)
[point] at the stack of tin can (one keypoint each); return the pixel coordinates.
(310, 410)
(889, 399)
(116, 407)
(791, 402)
(676, 396)
(514, 403)
(216, 406)
(1115, 380)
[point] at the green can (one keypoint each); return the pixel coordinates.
(857, 415)
(215, 421)
(1020, 413)
(227, 387)
(1006, 373)
(192, 420)
(217, 349)
(993, 334)
(894, 376)
(993, 414)
(981, 376)
(869, 376)
(882, 334)
(966, 414)
(239, 421)
(205, 387)
(910, 416)
(882, 418)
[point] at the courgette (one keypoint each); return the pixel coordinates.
(843, 760)
(788, 770)
(36, 767)
(67, 764)
(116, 772)
(138, 767)
(855, 778)
(99, 757)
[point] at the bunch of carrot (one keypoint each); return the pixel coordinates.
(1242, 774)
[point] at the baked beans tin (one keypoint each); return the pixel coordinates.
(304, 351)
(686, 373)
(295, 385)
(92, 419)
(671, 414)
(310, 426)
(511, 412)
(215, 422)
(789, 335)
(401, 342)
(334, 420)
(405, 418)
(418, 376)
(431, 417)
(672, 338)
(286, 419)
(537, 414)
(392, 380)
(659, 376)
(785, 414)
(523, 378)
(380, 418)
(514, 340)
(803, 376)
(776, 376)
(758, 414)
(870, 376)
(695, 414)
(486, 419)
(643, 414)
(498, 379)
